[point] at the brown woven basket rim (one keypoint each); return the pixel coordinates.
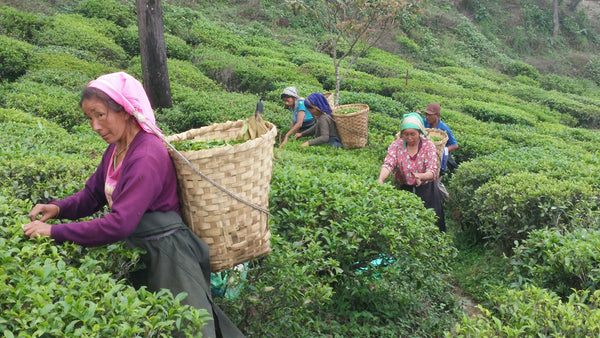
(364, 109)
(440, 132)
(192, 133)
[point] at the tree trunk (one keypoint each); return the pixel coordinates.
(153, 53)
(555, 20)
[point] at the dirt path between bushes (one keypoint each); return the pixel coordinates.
(468, 305)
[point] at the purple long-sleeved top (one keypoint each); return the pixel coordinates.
(147, 183)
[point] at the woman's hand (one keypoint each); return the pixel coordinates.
(37, 228)
(298, 135)
(420, 178)
(305, 144)
(46, 211)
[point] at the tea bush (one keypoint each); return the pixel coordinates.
(330, 238)
(55, 103)
(534, 311)
(70, 59)
(15, 58)
(586, 114)
(241, 74)
(72, 292)
(561, 262)
(206, 33)
(94, 36)
(20, 25)
(176, 47)
(489, 112)
(382, 64)
(194, 109)
(112, 10)
(181, 73)
(553, 162)
(377, 103)
(67, 79)
(509, 207)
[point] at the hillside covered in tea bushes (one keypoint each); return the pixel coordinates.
(350, 258)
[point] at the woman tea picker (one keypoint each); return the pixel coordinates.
(415, 160)
(137, 180)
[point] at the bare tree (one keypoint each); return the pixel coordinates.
(153, 53)
(354, 26)
(555, 20)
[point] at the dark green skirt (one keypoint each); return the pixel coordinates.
(178, 260)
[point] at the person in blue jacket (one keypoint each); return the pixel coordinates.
(302, 119)
(432, 120)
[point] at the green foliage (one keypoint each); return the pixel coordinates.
(534, 312)
(71, 291)
(55, 103)
(376, 103)
(592, 68)
(554, 163)
(19, 25)
(382, 64)
(176, 47)
(64, 62)
(15, 58)
(489, 112)
(254, 74)
(330, 219)
(91, 35)
(514, 68)
(195, 109)
(111, 10)
(561, 262)
(331, 230)
(511, 206)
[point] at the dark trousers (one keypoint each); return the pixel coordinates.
(178, 260)
(430, 194)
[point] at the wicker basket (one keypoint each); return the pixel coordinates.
(331, 99)
(439, 145)
(352, 128)
(235, 232)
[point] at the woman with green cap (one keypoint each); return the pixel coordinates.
(414, 159)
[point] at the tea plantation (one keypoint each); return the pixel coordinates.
(350, 258)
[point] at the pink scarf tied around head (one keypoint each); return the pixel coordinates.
(129, 93)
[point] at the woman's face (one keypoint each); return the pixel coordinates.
(411, 136)
(289, 101)
(110, 125)
(314, 111)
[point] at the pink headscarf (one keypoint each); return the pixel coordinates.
(129, 93)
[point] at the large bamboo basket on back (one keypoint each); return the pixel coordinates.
(352, 127)
(235, 232)
(331, 99)
(440, 143)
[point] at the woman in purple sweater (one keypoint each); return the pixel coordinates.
(137, 180)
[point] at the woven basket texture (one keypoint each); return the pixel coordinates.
(234, 231)
(331, 99)
(439, 145)
(352, 127)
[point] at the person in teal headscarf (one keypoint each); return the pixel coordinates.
(414, 160)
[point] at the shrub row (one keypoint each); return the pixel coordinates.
(347, 248)
(537, 184)
(560, 261)
(70, 290)
(534, 312)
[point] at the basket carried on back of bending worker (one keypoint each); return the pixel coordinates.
(137, 180)
(325, 129)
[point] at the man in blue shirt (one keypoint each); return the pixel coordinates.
(432, 120)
